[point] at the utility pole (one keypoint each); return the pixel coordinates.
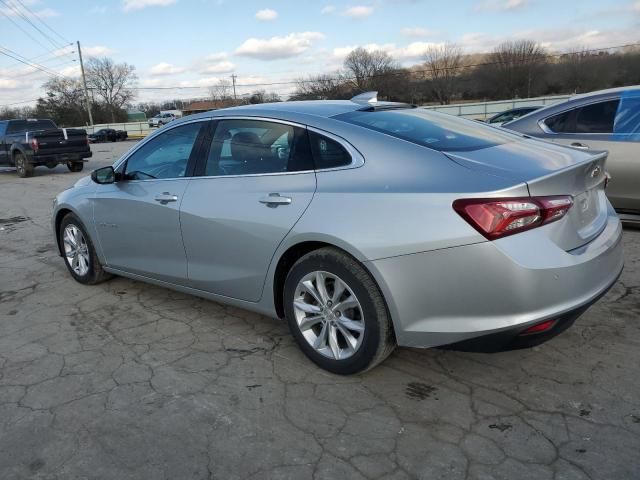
(233, 77)
(84, 82)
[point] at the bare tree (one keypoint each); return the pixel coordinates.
(368, 68)
(320, 87)
(112, 82)
(518, 65)
(443, 64)
(222, 90)
(62, 102)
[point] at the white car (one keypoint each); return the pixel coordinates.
(161, 119)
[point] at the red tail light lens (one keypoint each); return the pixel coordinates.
(499, 217)
(34, 144)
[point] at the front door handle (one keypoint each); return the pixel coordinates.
(580, 146)
(166, 197)
(275, 199)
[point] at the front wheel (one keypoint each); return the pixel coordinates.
(24, 168)
(336, 312)
(75, 166)
(79, 253)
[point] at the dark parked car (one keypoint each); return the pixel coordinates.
(508, 115)
(34, 142)
(107, 135)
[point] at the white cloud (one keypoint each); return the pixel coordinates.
(359, 11)
(328, 10)
(501, 5)
(636, 7)
(278, 47)
(129, 5)
(416, 32)
(164, 68)
(9, 83)
(266, 15)
(224, 66)
(96, 51)
(71, 71)
(216, 57)
(413, 51)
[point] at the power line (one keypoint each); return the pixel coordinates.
(41, 20)
(21, 59)
(397, 73)
(19, 103)
(20, 27)
(12, 6)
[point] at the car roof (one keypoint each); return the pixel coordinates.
(607, 91)
(317, 108)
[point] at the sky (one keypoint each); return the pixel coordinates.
(196, 43)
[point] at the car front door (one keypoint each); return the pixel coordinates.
(138, 217)
(255, 184)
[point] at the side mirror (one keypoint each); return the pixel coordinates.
(104, 175)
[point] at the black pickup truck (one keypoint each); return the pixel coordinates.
(27, 144)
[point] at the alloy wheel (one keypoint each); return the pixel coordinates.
(329, 315)
(76, 250)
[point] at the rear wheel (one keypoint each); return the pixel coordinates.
(24, 168)
(79, 253)
(336, 312)
(75, 166)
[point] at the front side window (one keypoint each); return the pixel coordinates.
(165, 156)
(437, 131)
(249, 147)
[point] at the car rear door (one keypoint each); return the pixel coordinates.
(137, 218)
(255, 183)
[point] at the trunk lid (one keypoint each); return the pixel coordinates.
(550, 170)
(55, 140)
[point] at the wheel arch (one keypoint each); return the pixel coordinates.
(297, 250)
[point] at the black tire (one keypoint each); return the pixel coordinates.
(24, 168)
(52, 165)
(378, 341)
(95, 274)
(75, 166)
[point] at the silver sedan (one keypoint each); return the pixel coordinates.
(364, 224)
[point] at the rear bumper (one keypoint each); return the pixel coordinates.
(491, 288)
(43, 159)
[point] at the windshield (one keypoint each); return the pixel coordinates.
(438, 131)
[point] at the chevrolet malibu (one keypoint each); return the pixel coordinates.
(364, 224)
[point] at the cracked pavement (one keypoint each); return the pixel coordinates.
(130, 381)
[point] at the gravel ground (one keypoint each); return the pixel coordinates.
(127, 380)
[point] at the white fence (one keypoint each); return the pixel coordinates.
(484, 110)
(134, 129)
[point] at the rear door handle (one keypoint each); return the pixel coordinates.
(275, 199)
(580, 146)
(166, 197)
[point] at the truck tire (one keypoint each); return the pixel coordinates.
(24, 168)
(75, 166)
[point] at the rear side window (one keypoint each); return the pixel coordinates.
(560, 123)
(594, 118)
(437, 131)
(20, 126)
(252, 147)
(328, 153)
(597, 117)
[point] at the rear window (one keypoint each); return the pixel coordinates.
(433, 130)
(19, 126)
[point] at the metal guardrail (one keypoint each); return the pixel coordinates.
(483, 110)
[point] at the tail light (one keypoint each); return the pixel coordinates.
(34, 144)
(539, 328)
(499, 217)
